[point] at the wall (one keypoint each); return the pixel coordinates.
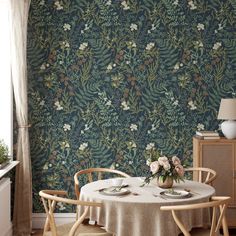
(108, 79)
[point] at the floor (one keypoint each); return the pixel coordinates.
(39, 232)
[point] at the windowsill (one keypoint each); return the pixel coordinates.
(7, 168)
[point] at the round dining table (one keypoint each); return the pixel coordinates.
(137, 211)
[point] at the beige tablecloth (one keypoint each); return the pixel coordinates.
(140, 215)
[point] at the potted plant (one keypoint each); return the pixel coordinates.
(4, 157)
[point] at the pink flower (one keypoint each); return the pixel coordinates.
(180, 170)
(176, 160)
(166, 166)
(154, 167)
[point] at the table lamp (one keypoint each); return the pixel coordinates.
(227, 111)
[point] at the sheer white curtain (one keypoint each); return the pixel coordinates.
(22, 217)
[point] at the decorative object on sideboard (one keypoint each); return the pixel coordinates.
(205, 134)
(227, 112)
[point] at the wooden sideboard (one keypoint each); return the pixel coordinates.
(219, 155)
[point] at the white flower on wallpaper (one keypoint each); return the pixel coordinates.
(191, 105)
(200, 126)
(133, 127)
(83, 46)
(125, 106)
(42, 3)
(61, 206)
(132, 144)
(83, 146)
(65, 44)
(178, 65)
(58, 106)
(65, 144)
(58, 5)
(176, 3)
(200, 26)
(67, 27)
(108, 3)
(125, 5)
(108, 103)
(192, 6)
(133, 27)
(66, 127)
(150, 146)
(131, 44)
(150, 46)
(86, 27)
(217, 46)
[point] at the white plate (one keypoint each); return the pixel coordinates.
(176, 194)
(111, 192)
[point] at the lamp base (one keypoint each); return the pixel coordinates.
(229, 129)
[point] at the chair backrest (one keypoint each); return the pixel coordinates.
(218, 219)
(203, 174)
(97, 173)
(50, 199)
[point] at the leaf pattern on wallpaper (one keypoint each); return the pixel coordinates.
(108, 79)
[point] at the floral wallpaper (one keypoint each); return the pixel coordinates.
(111, 80)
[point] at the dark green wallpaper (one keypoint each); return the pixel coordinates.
(110, 79)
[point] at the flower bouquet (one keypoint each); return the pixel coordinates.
(163, 167)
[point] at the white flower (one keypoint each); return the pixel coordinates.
(125, 5)
(166, 166)
(109, 67)
(217, 45)
(191, 5)
(220, 27)
(163, 160)
(150, 46)
(200, 126)
(133, 127)
(125, 106)
(83, 46)
(58, 106)
(176, 67)
(176, 2)
(176, 102)
(67, 27)
(83, 146)
(154, 167)
(192, 106)
(65, 44)
(66, 127)
(108, 3)
(61, 207)
(150, 146)
(133, 27)
(148, 162)
(200, 26)
(132, 44)
(108, 103)
(132, 144)
(58, 5)
(42, 103)
(65, 144)
(42, 3)
(43, 66)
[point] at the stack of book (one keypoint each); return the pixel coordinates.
(207, 134)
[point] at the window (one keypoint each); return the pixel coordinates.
(5, 77)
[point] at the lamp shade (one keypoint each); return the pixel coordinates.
(227, 110)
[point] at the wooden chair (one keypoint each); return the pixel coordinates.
(218, 220)
(50, 198)
(203, 175)
(95, 172)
